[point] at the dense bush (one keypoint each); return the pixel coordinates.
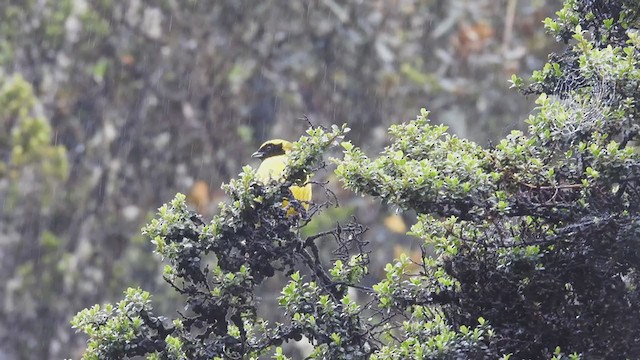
(137, 100)
(535, 238)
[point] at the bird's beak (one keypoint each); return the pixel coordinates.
(257, 155)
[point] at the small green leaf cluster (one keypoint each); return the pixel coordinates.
(351, 272)
(600, 33)
(426, 335)
(607, 21)
(399, 288)
(331, 320)
(306, 155)
(127, 328)
(424, 169)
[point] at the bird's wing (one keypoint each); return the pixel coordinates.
(303, 194)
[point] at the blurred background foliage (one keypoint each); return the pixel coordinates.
(109, 108)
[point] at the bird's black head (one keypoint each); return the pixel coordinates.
(271, 148)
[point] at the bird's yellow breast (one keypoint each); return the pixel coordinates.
(272, 168)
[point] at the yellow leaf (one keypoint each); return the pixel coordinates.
(396, 224)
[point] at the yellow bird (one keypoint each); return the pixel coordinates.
(274, 155)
